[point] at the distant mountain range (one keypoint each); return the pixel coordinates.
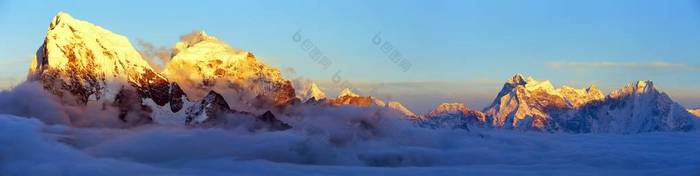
(82, 62)
(207, 80)
(529, 104)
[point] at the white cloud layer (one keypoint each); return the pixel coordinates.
(31, 147)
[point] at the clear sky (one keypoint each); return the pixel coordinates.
(459, 50)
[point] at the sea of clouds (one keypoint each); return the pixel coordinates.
(39, 136)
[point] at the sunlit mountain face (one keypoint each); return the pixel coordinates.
(93, 104)
(695, 111)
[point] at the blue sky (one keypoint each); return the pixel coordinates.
(461, 50)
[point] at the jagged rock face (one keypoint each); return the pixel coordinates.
(314, 92)
(347, 93)
(82, 62)
(209, 111)
(579, 97)
(635, 108)
(347, 97)
(453, 115)
(213, 111)
(176, 103)
(131, 108)
(271, 122)
(357, 101)
(314, 101)
(532, 104)
(203, 63)
(529, 104)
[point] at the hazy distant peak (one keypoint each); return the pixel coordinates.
(313, 92)
(639, 87)
(401, 109)
(347, 92)
(450, 108)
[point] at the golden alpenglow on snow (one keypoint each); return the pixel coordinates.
(349, 88)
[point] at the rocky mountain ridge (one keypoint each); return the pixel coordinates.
(529, 104)
(81, 62)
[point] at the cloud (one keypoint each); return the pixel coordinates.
(157, 57)
(192, 37)
(30, 99)
(423, 96)
(44, 137)
(658, 65)
(328, 143)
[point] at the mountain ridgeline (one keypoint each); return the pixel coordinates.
(208, 82)
(529, 104)
(85, 64)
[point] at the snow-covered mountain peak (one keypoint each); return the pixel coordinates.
(531, 100)
(636, 107)
(198, 37)
(347, 92)
(593, 88)
(517, 86)
(645, 86)
(546, 86)
(453, 115)
(530, 84)
(71, 42)
(532, 87)
(530, 79)
(401, 109)
(202, 63)
(517, 79)
(81, 63)
(316, 92)
(579, 97)
(347, 97)
(60, 17)
(313, 92)
(91, 62)
(640, 87)
(211, 57)
(448, 108)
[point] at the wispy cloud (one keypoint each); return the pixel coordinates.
(7, 82)
(658, 65)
